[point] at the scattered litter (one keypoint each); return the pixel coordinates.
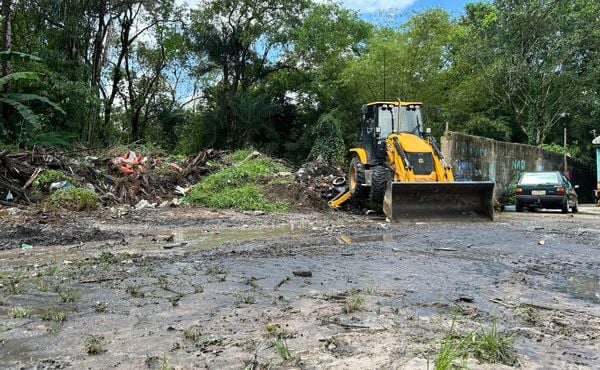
(445, 249)
(465, 299)
(302, 273)
(60, 185)
(501, 302)
(9, 197)
(345, 239)
(174, 245)
(144, 204)
(176, 167)
(26, 246)
(179, 190)
(541, 242)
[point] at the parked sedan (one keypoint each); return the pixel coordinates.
(536, 190)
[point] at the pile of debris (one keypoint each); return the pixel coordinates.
(116, 177)
(324, 179)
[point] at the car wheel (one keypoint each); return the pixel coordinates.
(565, 206)
(575, 207)
(518, 207)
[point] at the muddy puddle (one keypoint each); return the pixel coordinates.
(584, 287)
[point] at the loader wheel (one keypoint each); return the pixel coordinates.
(378, 183)
(356, 178)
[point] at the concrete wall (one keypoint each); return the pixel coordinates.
(475, 158)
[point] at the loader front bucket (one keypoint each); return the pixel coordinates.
(406, 201)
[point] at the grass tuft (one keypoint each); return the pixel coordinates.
(75, 199)
(246, 298)
(493, 347)
(93, 345)
(192, 333)
(282, 349)
(353, 303)
(54, 315)
(20, 312)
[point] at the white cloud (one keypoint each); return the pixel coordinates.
(374, 5)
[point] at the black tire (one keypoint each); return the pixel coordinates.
(379, 180)
(575, 207)
(356, 178)
(565, 206)
(518, 207)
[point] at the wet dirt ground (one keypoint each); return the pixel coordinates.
(194, 288)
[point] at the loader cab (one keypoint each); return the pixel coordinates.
(383, 118)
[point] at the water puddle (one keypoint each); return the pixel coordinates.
(204, 239)
(368, 238)
(584, 287)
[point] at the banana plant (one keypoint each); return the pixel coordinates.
(19, 101)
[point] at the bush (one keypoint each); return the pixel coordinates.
(235, 186)
(329, 142)
(493, 129)
(47, 177)
(75, 199)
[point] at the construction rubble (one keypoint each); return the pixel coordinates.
(129, 179)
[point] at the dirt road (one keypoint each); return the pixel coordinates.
(191, 288)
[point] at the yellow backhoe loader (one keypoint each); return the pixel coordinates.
(398, 163)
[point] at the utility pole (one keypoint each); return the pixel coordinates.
(565, 148)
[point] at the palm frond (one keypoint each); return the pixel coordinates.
(25, 112)
(31, 76)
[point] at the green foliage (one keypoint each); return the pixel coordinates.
(508, 194)
(486, 127)
(54, 315)
(20, 102)
(556, 148)
(93, 345)
(247, 197)
(75, 199)
(235, 186)
(488, 346)
(353, 303)
(493, 347)
(240, 154)
(282, 350)
(193, 333)
(329, 141)
(20, 312)
(47, 177)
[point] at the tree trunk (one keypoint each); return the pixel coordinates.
(6, 33)
(6, 43)
(97, 54)
(125, 29)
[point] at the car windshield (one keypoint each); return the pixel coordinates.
(533, 178)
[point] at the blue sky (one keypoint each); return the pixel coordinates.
(398, 11)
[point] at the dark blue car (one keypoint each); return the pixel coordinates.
(550, 190)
